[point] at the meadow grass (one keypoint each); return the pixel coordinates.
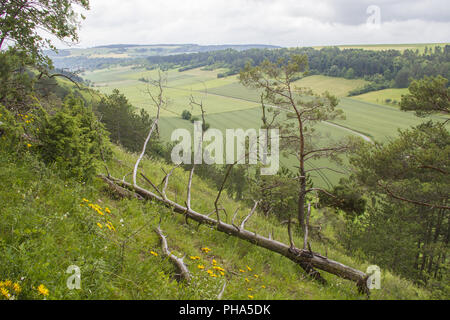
(48, 225)
(380, 97)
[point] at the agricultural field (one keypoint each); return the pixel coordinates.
(229, 105)
(380, 97)
(399, 47)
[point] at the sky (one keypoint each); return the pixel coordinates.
(288, 23)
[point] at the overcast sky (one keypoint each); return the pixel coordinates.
(276, 22)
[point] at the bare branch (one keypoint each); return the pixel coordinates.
(249, 215)
(178, 262)
(219, 297)
(430, 205)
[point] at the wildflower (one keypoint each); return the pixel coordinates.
(154, 253)
(210, 271)
(214, 262)
(218, 268)
(5, 292)
(201, 267)
(263, 286)
(107, 210)
(28, 145)
(251, 297)
(256, 276)
(85, 200)
(246, 280)
(206, 249)
(222, 273)
(110, 226)
(99, 225)
(7, 283)
(194, 258)
(249, 269)
(17, 288)
(242, 271)
(42, 290)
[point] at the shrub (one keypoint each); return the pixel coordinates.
(72, 139)
(186, 115)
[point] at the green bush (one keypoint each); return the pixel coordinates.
(72, 139)
(186, 115)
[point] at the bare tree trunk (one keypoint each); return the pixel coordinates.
(301, 257)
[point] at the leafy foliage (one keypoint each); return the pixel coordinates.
(427, 96)
(21, 20)
(72, 139)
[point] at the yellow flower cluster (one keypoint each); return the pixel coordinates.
(247, 279)
(194, 258)
(154, 253)
(8, 287)
(26, 118)
(206, 250)
(43, 290)
(99, 210)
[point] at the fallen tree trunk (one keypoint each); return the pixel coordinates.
(178, 262)
(300, 256)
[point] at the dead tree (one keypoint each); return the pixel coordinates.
(307, 259)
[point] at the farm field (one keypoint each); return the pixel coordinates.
(379, 97)
(230, 105)
(399, 47)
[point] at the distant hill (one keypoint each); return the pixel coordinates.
(96, 57)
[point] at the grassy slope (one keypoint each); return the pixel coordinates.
(45, 227)
(379, 97)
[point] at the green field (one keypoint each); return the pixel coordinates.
(229, 105)
(399, 47)
(379, 97)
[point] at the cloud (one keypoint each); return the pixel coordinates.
(279, 22)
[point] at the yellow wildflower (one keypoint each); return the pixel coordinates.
(154, 253)
(5, 292)
(246, 280)
(17, 288)
(250, 289)
(210, 271)
(201, 267)
(251, 297)
(263, 287)
(249, 269)
(28, 145)
(214, 262)
(43, 290)
(240, 270)
(7, 283)
(85, 200)
(99, 225)
(256, 276)
(107, 210)
(194, 258)
(222, 273)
